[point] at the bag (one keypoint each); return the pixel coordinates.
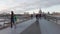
(15, 18)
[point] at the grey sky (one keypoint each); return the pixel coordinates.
(26, 5)
(50, 5)
(19, 5)
(47, 3)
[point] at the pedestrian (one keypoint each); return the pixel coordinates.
(37, 19)
(31, 16)
(12, 19)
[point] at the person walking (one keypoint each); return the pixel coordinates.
(31, 16)
(37, 18)
(12, 19)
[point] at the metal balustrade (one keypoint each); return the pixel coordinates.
(53, 18)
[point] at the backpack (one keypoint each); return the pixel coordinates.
(15, 18)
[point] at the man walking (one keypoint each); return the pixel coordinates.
(12, 19)
(37, 17)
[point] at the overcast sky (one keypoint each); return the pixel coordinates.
(50, 5)
(19, 6)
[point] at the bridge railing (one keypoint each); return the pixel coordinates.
(53, 18)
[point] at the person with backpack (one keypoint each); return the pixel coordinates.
(12, 19)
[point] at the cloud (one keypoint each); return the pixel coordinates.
(28, 3)
(48, 3)
(18, 5)
(22, 4)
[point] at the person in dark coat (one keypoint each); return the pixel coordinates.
(12, 19)
(37, 16)
(31, 16)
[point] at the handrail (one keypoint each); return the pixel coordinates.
(54, 18)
